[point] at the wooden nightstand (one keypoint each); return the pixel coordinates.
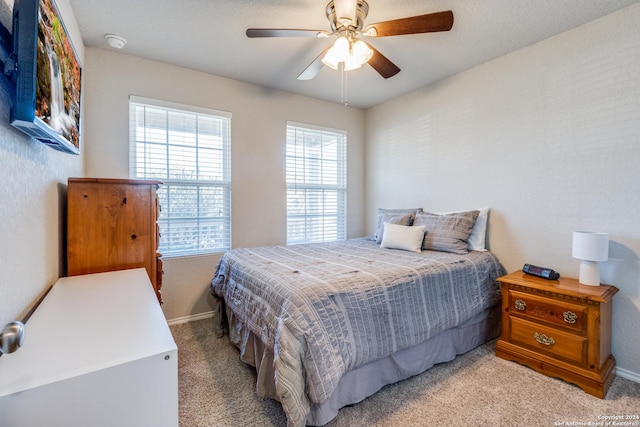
(559, 328)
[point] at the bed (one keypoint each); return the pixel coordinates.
(328, 324)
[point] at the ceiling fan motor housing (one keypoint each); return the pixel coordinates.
(341, 23)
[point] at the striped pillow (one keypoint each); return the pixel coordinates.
(393, 216)
(447, 233)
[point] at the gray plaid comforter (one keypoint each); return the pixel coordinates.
(327, 308)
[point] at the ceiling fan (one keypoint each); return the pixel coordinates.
(346, 18)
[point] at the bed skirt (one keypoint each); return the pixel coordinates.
(362, 382)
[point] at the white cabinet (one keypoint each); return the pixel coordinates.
(97, 352)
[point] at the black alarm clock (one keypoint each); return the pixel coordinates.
(545, 273)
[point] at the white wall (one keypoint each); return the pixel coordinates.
(258, 152)
(32, 192)
(548, 137)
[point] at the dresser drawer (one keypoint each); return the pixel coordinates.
(561, 313)
(550, 341)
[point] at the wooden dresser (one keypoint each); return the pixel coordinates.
(559, 328)
(112, 225)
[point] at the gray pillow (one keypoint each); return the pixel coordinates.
(447, 233)
(393, 216)
(393, 219)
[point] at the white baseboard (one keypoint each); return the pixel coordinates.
(192, 318)
(633, 376)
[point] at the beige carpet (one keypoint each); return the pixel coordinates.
(475, 389)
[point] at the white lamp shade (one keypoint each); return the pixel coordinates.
(362, 52)
(331, 58)
(342, 47)
(590, 246)
(351, 63)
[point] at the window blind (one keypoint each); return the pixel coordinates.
(188, 149)
(316, 183)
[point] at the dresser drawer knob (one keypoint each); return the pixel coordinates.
(570, 317)
(520, 305)
(543, 339)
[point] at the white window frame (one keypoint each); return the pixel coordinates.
(207, 232)
(316, 184)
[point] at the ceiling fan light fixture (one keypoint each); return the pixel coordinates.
(361, 51)
(337, 54)
(351, 63)
(331, 59)
(352, 54)
(342, 46)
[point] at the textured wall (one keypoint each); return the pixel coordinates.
(548, 137)
(32, 193)
(258, 137)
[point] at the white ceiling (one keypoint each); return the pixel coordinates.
(209, 36)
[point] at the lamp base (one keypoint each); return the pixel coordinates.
(589, 273)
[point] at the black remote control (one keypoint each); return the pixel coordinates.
(545, 273)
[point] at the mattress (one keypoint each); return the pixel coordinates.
(326, 309)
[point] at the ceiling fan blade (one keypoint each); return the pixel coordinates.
(315, 67)
(382, 64)
(274, 32)
(429, 23)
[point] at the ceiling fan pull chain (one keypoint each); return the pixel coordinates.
(343, 86)
(342, 83)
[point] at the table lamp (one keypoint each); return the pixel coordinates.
(590, 247)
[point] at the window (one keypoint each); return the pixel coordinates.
(316, 183)
(188, 149)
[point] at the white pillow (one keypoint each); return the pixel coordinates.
(477, 239)
(403, 237)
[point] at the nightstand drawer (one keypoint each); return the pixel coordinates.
(550, 341)
(561, 313)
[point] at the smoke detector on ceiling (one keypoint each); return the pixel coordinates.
(114, 41)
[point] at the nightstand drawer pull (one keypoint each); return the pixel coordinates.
(543, 339)
(520, 305)
(570, 317)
